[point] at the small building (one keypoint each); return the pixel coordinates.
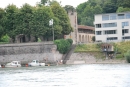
(85, 33)
(106, 47)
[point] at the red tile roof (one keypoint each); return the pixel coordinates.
(86, 27)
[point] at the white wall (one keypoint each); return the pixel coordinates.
(98, 20)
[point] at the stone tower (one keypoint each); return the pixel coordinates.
(73, 20)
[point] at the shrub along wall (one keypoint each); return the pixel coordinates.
(63, 45)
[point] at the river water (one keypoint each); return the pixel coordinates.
(88, 75)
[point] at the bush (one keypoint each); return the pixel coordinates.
(5, 38)
(39, 40)
(70, 41)
(62, 45)
(127, 56)
(93, 38)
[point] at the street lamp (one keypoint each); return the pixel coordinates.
(51, 24)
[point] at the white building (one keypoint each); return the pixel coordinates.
(112, 27)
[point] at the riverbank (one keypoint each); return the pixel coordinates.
(89, 58)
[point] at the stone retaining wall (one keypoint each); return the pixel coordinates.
(26, 52)
(87, 58)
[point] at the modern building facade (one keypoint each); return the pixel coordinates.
(81, 33)
(112, 27)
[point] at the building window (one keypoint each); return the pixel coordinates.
(110, 32)
(125, 31)
(105, 17)
(113, 17)
(127, 37)
(112, 38)
(121, 16)
(127, 15)
(109, 25)
(125, 24)
(98, 32)
(98, 25)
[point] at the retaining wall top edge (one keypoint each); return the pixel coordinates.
(26, 44)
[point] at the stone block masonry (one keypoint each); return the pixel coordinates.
(26, 52)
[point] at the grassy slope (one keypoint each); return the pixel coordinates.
(120, 47)
(90, 48)
(87, 48)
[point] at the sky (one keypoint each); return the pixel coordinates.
(19, 3)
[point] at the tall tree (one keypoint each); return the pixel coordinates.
(60, 13)
(121, 9)
(25, 18)
(2, 22)
(10, 25)
(69, 8)
(109, 7)
(41, 18)
(44, 1)
(123, 3)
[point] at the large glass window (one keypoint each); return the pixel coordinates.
(98, 25)
(109, 25)
(98, 32)
(113, 17)
(112, 38)
(105, 17)
(121, 16)
(110, 32)
(125, 24)
(127, 15)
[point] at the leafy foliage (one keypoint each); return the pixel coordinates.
(62, 45)
(34, 21)
(87, 10)
(10, 21)
(121, 48)
(93, 38)
(5, 38)
(61, 14)
(127, 56)
(70, 41)
(2, 22)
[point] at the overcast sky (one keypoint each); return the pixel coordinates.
(19, 3)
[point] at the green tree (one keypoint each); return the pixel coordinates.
(40, 23)
(109, 7)
(2, 22)
(123, 3)
(10, 22)
(25, 19)
(60, 13)
(44, 1)
(69, 8)
(121, 9)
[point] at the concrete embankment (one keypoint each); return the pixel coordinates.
(87, 58)
(26, 52)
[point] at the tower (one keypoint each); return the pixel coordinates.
(73, 21)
